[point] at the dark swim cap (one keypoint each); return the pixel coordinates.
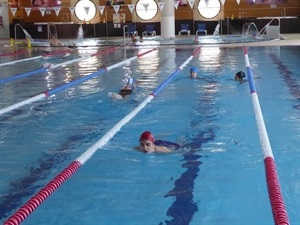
(240, 74)
(193, 70)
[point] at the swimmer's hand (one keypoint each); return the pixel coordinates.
(115, 96)
(47, 65)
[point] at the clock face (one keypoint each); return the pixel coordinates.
(146, 9)
(85, 10)
(209, 8)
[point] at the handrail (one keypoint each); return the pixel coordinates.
(264, 29)
(124, 32)
(49, 30)
(25, 32)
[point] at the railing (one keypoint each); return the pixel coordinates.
(124, 32)
(265, 28)
(50, 31)
(25, 32)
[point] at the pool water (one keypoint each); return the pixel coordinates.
(218, 176)
(159, 41)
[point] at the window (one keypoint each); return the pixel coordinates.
(85, 10)
(209, 8)
(146, 9)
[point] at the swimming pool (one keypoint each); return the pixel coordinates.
(218, 178)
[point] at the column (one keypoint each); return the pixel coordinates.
(167, 24)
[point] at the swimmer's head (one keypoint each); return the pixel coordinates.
(193, 70)
(147, 135)
(239, 76)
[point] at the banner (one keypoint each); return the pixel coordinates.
(45, 3)
(28, 11)
(161, 6)
(176, 3)
(57, 10)
(101, 9)
(131, 7)
(42, 10)
(13, 11)
(191, 3)
(72, 9)
(270, 2)
(116, 8)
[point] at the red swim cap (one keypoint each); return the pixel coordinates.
(147, 135)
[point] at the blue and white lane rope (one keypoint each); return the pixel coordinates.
(54, 66)
(36, 57)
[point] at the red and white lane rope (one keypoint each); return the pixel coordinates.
(278, 207)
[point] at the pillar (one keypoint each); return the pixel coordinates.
(167, 28)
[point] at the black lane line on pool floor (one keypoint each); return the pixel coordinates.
(183, 208)
(288, 78)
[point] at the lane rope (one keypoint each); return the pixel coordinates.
(278, 207)
(20, 215)
(13, 53)
(36, 57)
(20, 60)
(50, 67)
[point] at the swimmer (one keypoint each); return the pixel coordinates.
(141, 39)
(125, 91)
(239, 76)
(54, 41)
(193, 73)
(196, 38)
(134, 39)
(147, 144)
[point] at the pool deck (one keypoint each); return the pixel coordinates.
(290, 40)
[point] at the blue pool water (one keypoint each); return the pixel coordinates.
(218, 177)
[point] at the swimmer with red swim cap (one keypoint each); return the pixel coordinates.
(147, 144)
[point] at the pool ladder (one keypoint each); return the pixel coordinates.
(272, 31)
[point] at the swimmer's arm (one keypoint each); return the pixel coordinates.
(162, 149)
(139, 148)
